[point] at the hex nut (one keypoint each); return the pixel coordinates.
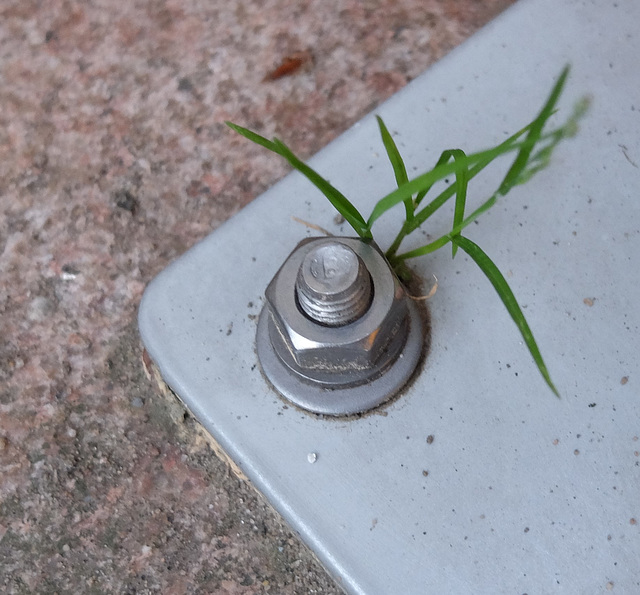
(346, 355)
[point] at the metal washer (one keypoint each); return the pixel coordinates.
(341, 401)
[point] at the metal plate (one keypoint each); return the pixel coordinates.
(518, 492)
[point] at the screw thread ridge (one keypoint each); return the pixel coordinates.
(333, 286)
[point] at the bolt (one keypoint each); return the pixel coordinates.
(334, 349)
(333, 286)
(338, 334)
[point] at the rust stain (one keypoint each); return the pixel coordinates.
(371, 339)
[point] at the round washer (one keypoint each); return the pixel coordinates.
(340, 401)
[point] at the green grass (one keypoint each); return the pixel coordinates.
(533, 148)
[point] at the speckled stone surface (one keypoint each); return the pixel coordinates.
(113, 161)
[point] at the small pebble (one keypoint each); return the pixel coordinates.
(69, 273)
(430, 439)
(137, 402)
(312, 457)
(71, 433)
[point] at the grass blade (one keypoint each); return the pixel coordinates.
(513, 175)
(448, 237)
(399, 169)
(335, 197)
(341, 203)
(447, 193)
(395, 158)
(410, 188)
(541, 158)
(462, 180)
(252, 136)
(444, 158)
(418, 184)
(478, 160)
(500, 284)
(436, 203)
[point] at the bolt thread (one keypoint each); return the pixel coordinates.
(333, 286)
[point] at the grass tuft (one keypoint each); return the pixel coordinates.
(533, 148)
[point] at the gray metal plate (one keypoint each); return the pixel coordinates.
(518, 492)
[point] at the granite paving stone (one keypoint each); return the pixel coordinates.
(114, 160)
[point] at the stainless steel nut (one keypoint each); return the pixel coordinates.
(341, 355)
